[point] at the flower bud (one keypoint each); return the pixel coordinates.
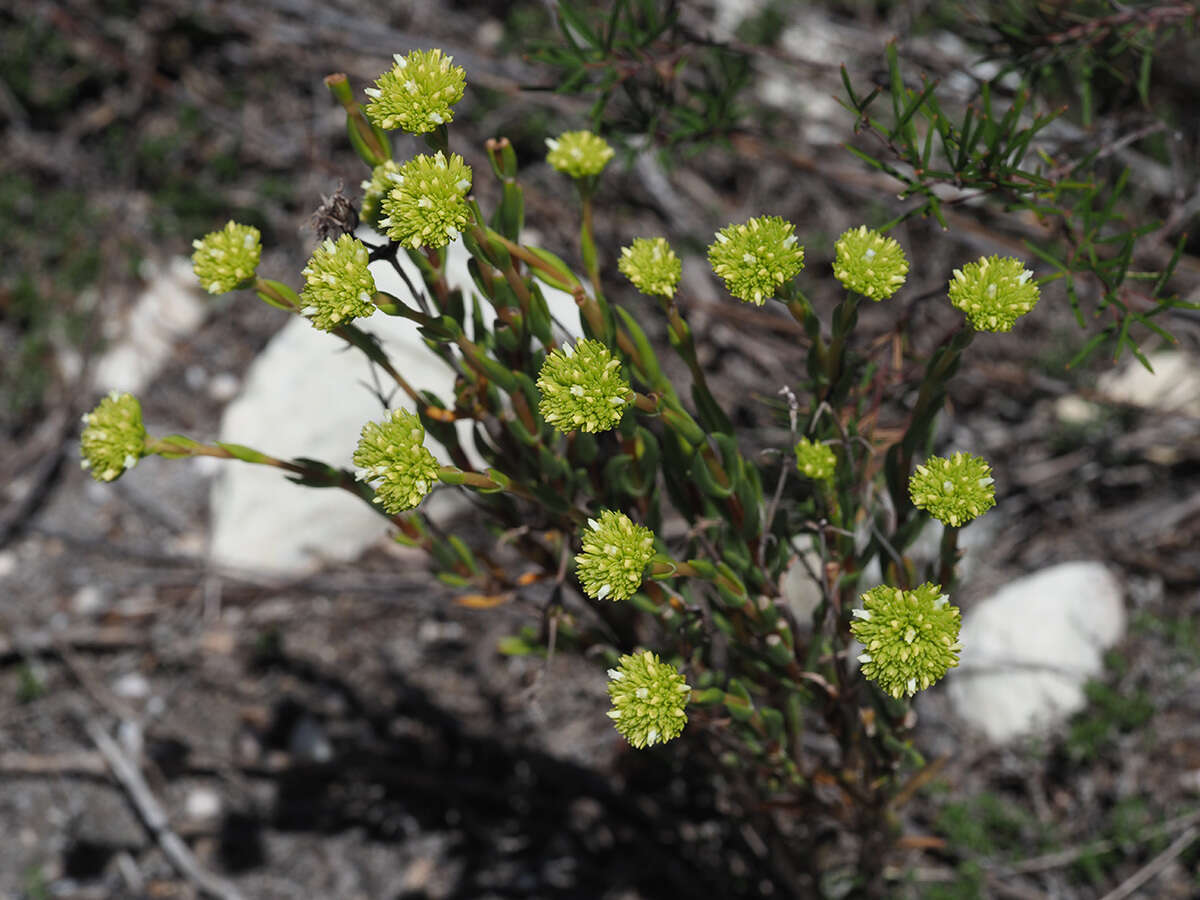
(954, 490)
(582, 388)
(427, 206)
(649, 698)
(910, 637)
(393, 452)
(374, 189)
(338, 286)
(651, 265)
(417, 93)
(226, 259)
(113, 437)
(614, 556)
(993, 292)
(578, 153)
(756, 258)
(817, 461)
(869, 263)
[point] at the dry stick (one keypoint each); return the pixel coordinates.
(1152, 868)
(155, 820)
(1066, 857)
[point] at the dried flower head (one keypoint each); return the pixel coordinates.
(651, 265)
(869, 263)
(614, 556)
(757, 257)
(113, 437)
(993, 292)
(427, 205)
(578, 153)
(817, 461)
(910, 637)
(393, 452)
(583, 388)
(226, 259)
(338, 286)
(649, 699)
(374, 189)
(954, 490)
(335, 216)
(417, 93)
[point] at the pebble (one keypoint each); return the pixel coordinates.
(1028, 650)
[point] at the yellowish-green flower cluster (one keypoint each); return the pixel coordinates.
(817, 461)
(393, 453)
(583, 388)
(994, 292)
(614, 556)
(427, 205)
(651, 265)
(954, 490)
(374, 189)
(338, 286)
(910, 637)
(649, 699)
(755, 258)
(417, 93)
(226, 259)
(113, 437)
(579, 154)
(869, 263)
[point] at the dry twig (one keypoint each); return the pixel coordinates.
(155, 819)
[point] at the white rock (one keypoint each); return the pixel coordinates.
(171, 306)
(89, 600)
(308, 395)
(1173, 387)
(1029, 649)
(799, 589)
(132, 686)
(202, 804)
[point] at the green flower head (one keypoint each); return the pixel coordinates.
(649, 698)
(954, 490)
(226, 259)
(651, 265)
(993, 292)
(393, 452)
(817, 461)
(757, 257)
(911, 637)
(338, 286)
(374, 189)
(113, 437)
(417, 93)
(869, 263)
(582, 388)
(427, 205)
(578, 153)
(614, 556)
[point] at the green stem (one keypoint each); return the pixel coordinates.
(948, 558)
(310, 472)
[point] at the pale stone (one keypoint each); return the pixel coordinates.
(171, 307)
(132, 686)
(308, 395)
(202, 804)
(1173, 387)
(1028, 650)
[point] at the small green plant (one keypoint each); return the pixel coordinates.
(1113, 709)
(591, 452)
